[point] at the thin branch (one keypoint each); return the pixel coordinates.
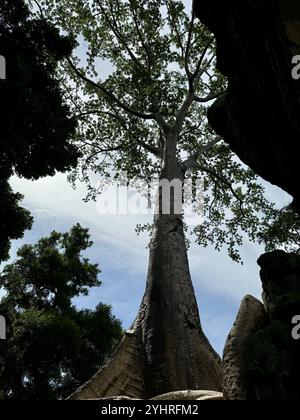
(109, 94)
(149, 148)
(225, 181)
(114, 27)
(36, 2)
(101, 151)
(187, 103)
(191, 93)
(188, 46)
(195, 129)
(208, 98)
(178, 35)
(199, 69)
(214, 199)
(147, 50)
(192, 161)
(97, 111)
(146, 146)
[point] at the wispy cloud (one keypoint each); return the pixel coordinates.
(219, 283)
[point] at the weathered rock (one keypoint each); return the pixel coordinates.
(115, 398)
(251, 318)
(216, 397)
(259, 115)
(273, 353)
(273, 359)
(189, 395)
(258, 118)
(280, 275)
(261, 358)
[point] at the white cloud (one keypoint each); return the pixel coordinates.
(219, 283)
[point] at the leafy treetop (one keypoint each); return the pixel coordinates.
(36, 126)
(149, 112)
(52, 347)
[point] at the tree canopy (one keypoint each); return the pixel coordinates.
(153, 105)
(36, 126)
(52, 347)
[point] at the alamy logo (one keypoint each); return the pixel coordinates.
(2, 328)
(137, 197)
(2, 67)
(296, 329)
(296, 68)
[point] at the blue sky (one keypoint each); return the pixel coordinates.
(220, 284)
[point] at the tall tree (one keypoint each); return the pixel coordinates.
(147, 118)
(36, 127)
(52, 347)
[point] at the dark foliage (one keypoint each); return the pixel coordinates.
(52, 347)
(36, 128)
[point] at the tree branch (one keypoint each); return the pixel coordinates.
(178, 35)
(147, 50)
(187, 103)
(190, 98)
(114, 27)
(208, 98)
(225, 181)
(152, 149)
(200, 62)
(192, 161)
(36, 2)
(188, 46)
(149, 148)
(110, 95)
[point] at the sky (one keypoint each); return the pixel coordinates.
(220, 284)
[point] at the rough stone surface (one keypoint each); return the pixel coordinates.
(115, 398)
(251, 318)
(188, 395)
(261, 358)
(216, 397)
(259, 115)
(280, 275)
(272, 353)
(259, 118)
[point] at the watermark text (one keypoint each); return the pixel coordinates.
(138, 197)
(2, 328)
(296, 67)
(296, 329)
(2, 68)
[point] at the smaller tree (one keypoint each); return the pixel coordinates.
(52, 347)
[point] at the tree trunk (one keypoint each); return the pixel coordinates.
(166, 349)
(178, 355)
